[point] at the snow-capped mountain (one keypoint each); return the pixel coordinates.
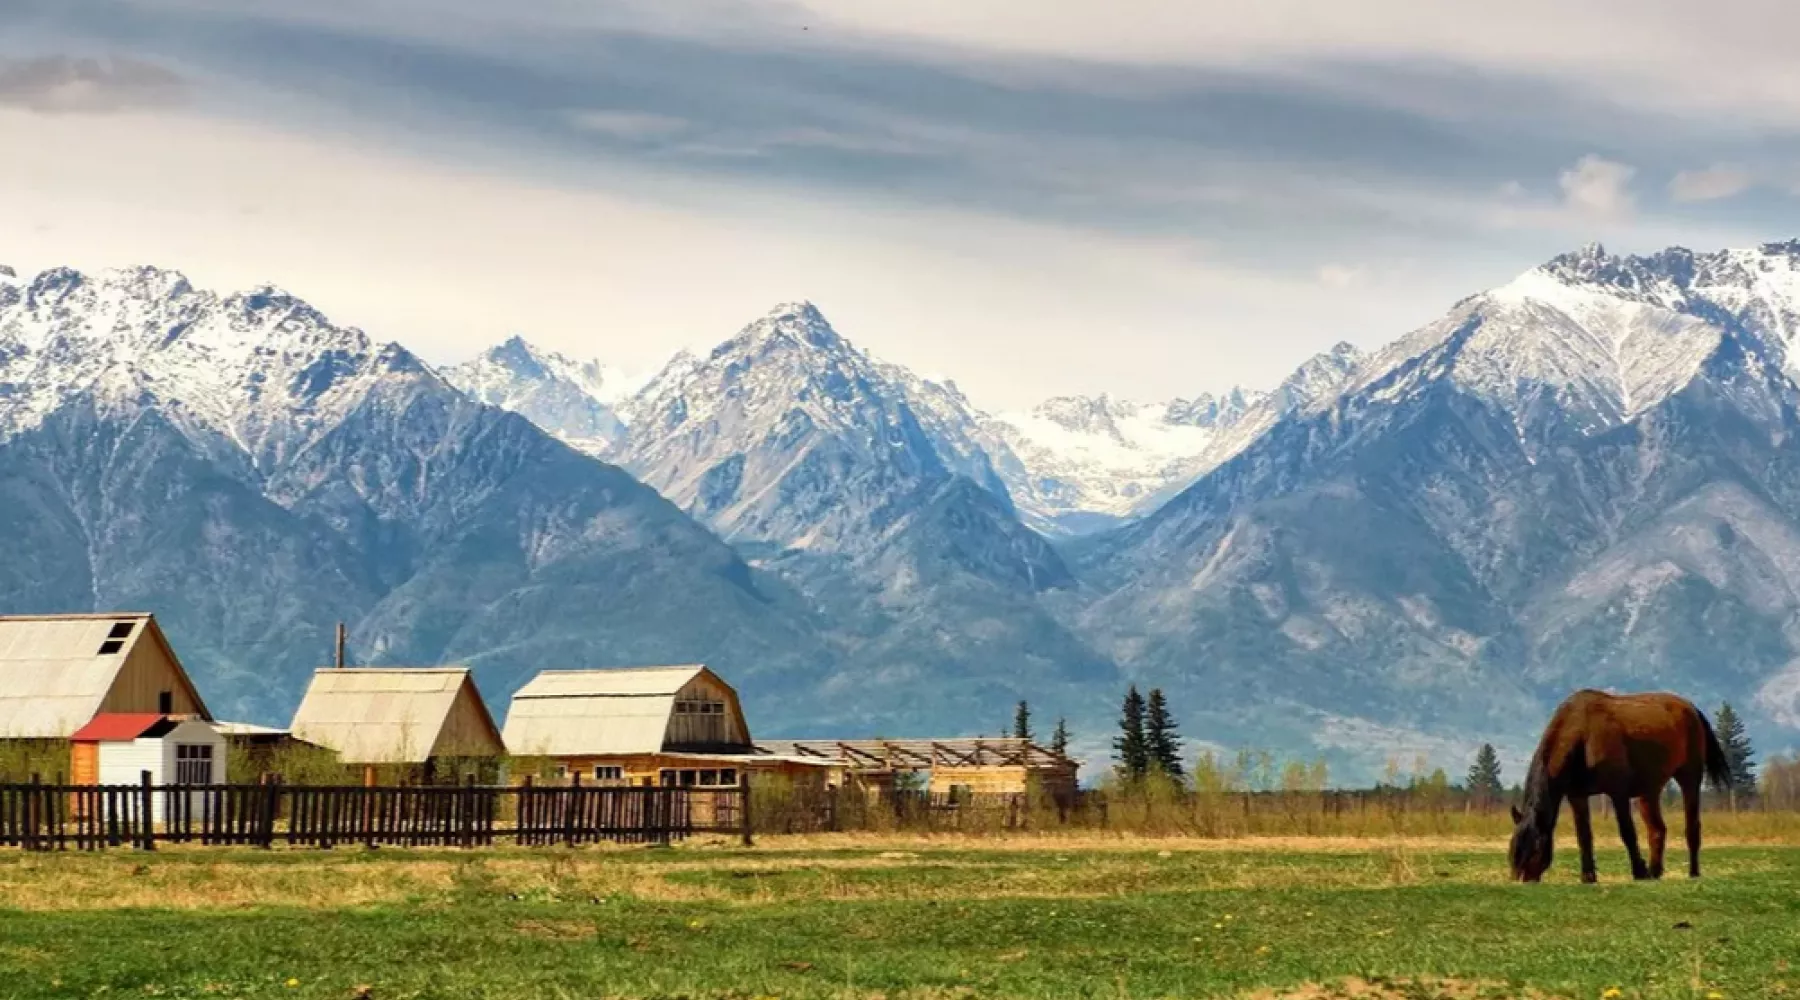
(253, 473)
(574, 400)
(866, 489)
(261, 369)
(1090, 462)
(1582, 478)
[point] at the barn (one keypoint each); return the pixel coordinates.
(676, 726)
(119, 748)
(414, 723)
(59, 671)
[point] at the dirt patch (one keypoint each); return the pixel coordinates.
(556, 930)
(1402, 989)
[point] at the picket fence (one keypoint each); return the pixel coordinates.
(40, 816)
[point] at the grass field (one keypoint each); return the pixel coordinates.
(894, 918)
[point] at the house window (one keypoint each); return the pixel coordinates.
(562, 771)
(111, 646)
(120, 630)
(193, 764)
(728, 777)
(709, 778)
(668, 778)
(165, 702)
(608, 772)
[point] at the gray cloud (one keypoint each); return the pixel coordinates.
(1710, 184)
(72, 84)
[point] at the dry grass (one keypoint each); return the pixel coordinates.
(1356, 988)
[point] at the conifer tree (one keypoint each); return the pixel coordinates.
(1739, 754)
(1484, 775)
(1059, 740)
(1130, 747)
(1022, 722)
(1160, 737)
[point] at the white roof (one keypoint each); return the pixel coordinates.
(595, 712)
(53, 677)
(378, 715)
(247, 729)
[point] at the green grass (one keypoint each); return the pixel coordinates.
(922, 922)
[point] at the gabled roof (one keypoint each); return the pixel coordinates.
(622, 710)
(383, 715)
(56, 670)
(112, 726)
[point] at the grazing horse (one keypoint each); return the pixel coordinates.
(1623, 747)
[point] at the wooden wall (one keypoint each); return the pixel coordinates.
(468, 731)
(149, 671)
(721, 729)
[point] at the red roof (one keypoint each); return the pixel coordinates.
(116, 726)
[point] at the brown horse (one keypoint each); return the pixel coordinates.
(1623, 747)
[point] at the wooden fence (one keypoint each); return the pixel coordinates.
(37, 816)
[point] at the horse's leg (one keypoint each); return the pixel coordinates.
(1584, 835)
(1628, 833)
(1690, 807)
(1650, 808)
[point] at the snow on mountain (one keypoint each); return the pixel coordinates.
(1592, 340)
(1089, 461)
(788, 433)
(573, 400)
(261, 369)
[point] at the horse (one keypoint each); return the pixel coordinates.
(1623, 747)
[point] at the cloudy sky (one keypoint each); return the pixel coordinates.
(1148, 197)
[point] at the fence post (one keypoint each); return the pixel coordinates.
(33, 808)
(568, 816)
(270, 805)
(744, 808)
(147, 803)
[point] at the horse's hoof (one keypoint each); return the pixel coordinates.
(1589, 878)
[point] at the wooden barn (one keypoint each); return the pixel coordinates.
(57, 672)
(678, 726)
(1006, 766)
(119, 748)
(414, 723)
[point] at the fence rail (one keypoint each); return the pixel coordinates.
(38, 816)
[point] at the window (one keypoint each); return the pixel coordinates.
(709, 778)
(193, 764)
(120, 630)
(562, 771)
(668, 778)
(165, 702)
(111, 646)
(608, 772)
(728, 776)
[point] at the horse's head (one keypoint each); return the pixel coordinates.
(1531, 848)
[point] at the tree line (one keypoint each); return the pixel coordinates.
(1149, 743)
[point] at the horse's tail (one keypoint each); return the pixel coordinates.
(1718, 765)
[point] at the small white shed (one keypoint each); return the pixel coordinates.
(117, 748)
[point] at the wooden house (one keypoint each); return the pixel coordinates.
(416, 723)
(120, 748)
(59, 671)
(677, 726)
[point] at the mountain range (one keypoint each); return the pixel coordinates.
(1583, 477)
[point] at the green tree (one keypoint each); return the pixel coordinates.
(1160, 736)
(1130, 746)
(1738, 751)
(1021, 728)
(1059, 740)
(1484, 776)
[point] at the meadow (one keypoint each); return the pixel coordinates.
(867, 916)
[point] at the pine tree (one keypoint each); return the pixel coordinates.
(1021, 728)
(1739, 754)
(1484, 775)
(1133, 752)
(1059, 740)
(1160, 738)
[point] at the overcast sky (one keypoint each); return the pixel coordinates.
(1147, 197)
